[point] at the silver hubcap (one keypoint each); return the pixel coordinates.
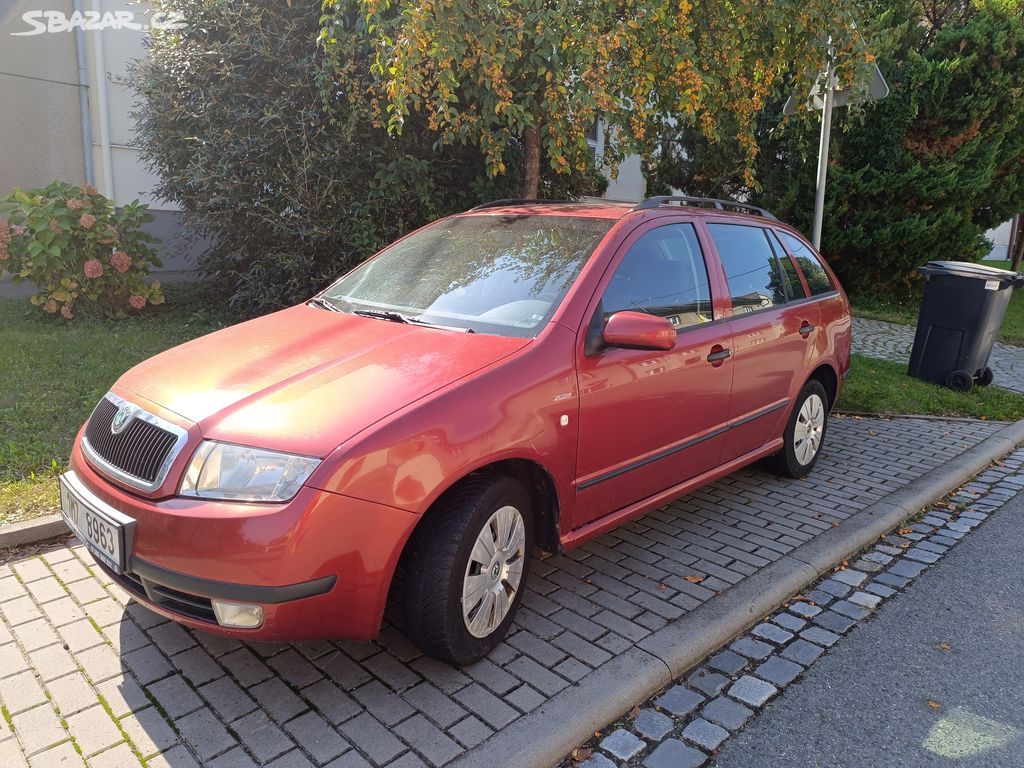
(494, 572)
(810, 424)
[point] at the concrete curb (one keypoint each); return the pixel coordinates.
(32, 531)
(546, 735)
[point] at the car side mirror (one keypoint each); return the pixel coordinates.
(637, 330)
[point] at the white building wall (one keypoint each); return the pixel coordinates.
(1000, 237)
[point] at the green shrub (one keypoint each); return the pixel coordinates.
(83, 256)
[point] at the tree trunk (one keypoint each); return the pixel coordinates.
(1017, 243)
(531, 162)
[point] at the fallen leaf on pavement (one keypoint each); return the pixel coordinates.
(934, 704)
(945, 647)
(905, 531)
(634, 713)
(582, 753)
(695, 579)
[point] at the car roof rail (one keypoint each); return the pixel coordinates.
(516, 201)
(660, 200)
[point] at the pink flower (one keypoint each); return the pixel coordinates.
(120, 261)
(88, 189)
(54, 227)
(50, 306)
(87, 220)
(66, 311)
(93, 268)
(136, 301)
(74, 203)
(18, 229)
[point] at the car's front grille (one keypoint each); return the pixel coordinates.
(191, 606)
(140, 449)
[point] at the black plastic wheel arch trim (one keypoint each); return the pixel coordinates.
(224, 590)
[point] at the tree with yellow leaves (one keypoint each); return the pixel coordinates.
(542, 71)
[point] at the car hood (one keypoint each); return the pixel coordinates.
(305, 379)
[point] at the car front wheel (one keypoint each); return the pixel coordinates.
(466, 568)
(804, 433)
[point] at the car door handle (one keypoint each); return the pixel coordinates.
(805, 329)
(718, 354)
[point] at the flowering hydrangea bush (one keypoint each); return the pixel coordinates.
(84, 256)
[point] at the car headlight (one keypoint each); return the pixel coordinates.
(241, 473)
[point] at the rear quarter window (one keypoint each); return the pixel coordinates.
(818, 279)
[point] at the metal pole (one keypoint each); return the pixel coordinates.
(826, 131)
(103, 110)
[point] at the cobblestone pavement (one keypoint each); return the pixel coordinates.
(891, 341)
(88, 675)
(688, 722)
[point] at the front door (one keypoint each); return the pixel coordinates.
(650, 419)
(772, 330)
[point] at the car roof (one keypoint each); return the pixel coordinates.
(598, 208)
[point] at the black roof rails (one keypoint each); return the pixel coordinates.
(656, 202)
(515, 201)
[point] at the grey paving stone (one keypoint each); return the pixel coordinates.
(773, 633)
(922, 555)
(707, 682)
(865, 600)
(486, 706)
(622, 744)
(752, 691)
(428, 740)
(835, 622)
(315, 736)
(727, 713)
(778, 671)
(262, 736)
(470, 732)
(204, 733)
(597, 760)
(835, 588)
(652, 725)
(804, 610)
(849, 576)
(728, 662)
(906, 569)
(674, 754)
(751, 648)
(892, 580)
(149, 731)
(820, 636)
(372, 738)
(789, 621)
(705, 734)
(802, 652)
(850, 610)
(679, 701)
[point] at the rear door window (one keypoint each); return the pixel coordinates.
(755, 275)
(818, 279)
(794, 286)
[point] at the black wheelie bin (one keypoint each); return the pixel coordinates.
(962, 309)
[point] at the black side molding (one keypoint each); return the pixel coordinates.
(224, 590)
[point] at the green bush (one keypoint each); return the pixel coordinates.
(83, 256)
(277, 157)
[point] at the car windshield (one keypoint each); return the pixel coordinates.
(503, 275)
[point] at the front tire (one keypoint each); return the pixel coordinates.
(466, 569)
(805, 432)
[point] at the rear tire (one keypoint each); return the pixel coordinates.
(987, 377)
(457, 606)
(804, 434)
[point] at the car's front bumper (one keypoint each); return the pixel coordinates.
(318, 566)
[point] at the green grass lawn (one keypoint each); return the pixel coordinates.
(905, 313)
(883, 387)
(52, 375)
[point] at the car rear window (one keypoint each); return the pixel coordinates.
(818, 279)
(504, 275)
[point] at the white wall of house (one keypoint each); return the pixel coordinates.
(1000, 237)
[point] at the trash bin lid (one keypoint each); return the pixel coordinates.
(970, 269)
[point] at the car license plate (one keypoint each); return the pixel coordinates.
(104, 537)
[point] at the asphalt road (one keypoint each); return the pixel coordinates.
(866, 703)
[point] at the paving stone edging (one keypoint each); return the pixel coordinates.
(545, 736)
(32, 531)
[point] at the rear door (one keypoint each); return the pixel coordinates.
(650, 419)
(772, 326)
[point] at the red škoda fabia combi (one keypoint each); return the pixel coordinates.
(517, 376)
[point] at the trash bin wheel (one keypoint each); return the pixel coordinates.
(960, 381)
(986, 377)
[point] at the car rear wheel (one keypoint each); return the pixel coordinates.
(804, 433)
(466, 569)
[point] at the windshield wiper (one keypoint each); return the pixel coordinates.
(398, 317)
(317, 301)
